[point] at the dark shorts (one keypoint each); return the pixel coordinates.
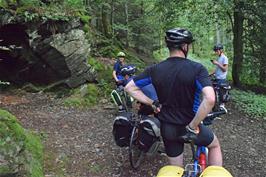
(173, 146)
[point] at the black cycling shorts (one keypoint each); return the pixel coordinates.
(174, 146)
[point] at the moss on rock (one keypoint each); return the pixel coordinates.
(21, 151)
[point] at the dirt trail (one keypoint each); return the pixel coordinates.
(79, 143)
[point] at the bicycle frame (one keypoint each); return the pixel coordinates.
(199, 161)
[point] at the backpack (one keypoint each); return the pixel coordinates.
(122, 129)
(149, 134)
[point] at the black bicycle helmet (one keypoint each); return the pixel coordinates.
(177, 36)
(218, 47)
(128, 70)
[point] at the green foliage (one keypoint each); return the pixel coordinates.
(86, 28)
(85, 96)
(20, 149)
(75, 4)
(85, 19)
(74, 102)
(93, 94)
(105, 79)
(105, 88)
(103, 46)
(161, 54)
(98, 66)
(250, 103)
(31, 10)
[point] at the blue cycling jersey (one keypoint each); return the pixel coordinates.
(150, 91)
(117, 67)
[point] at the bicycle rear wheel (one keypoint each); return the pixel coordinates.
(217, 101)
(135, 154)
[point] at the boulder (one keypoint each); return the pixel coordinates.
(43, 52)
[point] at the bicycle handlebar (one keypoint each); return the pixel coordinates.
(216, 114)
(211, 116)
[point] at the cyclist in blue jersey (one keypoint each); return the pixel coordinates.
(119, 79)
(179, 82)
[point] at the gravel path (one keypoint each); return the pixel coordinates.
(79, 142)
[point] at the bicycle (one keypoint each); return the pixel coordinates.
(221, 92)
(119, 96)
(125, 100)
(136, 150)
(199, 158)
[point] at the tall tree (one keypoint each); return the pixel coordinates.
(238, 41)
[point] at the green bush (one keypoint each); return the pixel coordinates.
(250, 103)
(85, 19)
(104, 73)
(84, 98)
(21, 150)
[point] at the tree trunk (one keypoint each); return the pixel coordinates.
(112, 17)
(263, 54)
(126, 16)
(218, 34)
(105, 22)
(237, 43)
(139, 42)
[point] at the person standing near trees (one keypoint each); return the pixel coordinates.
(178, 82)
(220, 72)
(221, 64)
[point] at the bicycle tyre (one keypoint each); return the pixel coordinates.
(124, 101)
(135, 154)
(217, 101)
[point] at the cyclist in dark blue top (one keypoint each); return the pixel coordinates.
(179, 83)
(117, 68)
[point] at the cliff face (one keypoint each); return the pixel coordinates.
(43, 52)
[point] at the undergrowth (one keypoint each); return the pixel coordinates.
(85, 96)
(254, 105)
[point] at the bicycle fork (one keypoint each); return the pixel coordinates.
(200, 159)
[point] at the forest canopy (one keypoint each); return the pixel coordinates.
(140, 25)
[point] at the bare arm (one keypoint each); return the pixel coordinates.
(114, 76)
(223, 67)
(205, 107)
(136, 93)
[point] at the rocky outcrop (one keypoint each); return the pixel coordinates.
(43, 52)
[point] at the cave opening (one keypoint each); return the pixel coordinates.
(13, 41)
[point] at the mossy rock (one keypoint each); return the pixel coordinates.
(21, 151)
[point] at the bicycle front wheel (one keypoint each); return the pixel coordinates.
(135, 154)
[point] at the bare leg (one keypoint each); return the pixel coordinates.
(215, 154)
(177, 161)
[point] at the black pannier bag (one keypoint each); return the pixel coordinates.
(149, 134)
(122, 129)
(224, 92)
